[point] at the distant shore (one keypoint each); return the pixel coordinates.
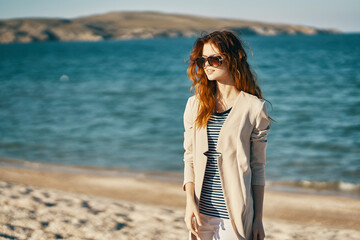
(55, 199)
(133, 25)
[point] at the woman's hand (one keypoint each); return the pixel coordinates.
(258, 230)
(190, 212)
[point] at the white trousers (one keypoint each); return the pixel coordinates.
(214, 228)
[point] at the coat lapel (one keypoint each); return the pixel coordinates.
(202, 144)
(203, 136)
(228, 123)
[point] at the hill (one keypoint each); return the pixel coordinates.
(128, 25)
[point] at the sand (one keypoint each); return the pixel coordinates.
(45, 204)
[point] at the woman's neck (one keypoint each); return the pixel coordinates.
(226, 95)
(226, 92)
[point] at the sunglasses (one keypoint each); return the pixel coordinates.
(214, 61)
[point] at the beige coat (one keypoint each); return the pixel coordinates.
(242, 145)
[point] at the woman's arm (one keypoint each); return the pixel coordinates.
(192, 211)
(188, 145)
(257, 163)
(258, 195)
(257, 225)
(190, 190)
(258, 142)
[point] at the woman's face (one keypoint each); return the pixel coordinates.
(219, 73)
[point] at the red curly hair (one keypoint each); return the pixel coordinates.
(231, 47)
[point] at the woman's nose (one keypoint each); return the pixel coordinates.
(206, 63)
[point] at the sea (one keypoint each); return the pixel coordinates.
(120, 103)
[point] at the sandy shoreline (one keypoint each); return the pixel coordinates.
(74, 204)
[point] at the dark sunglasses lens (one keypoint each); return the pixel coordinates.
(200, 62)
(214, 61)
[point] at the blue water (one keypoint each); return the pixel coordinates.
(120, 103)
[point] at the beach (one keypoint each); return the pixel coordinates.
(94, 130)
(48, 201)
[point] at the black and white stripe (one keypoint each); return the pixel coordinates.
(212, 200)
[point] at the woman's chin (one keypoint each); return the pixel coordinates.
(210, 78)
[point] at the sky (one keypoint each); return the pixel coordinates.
(343, 15)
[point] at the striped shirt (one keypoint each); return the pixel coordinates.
(212, 200)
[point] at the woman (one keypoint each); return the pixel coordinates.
(226, 125)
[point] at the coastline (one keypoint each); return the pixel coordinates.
(304, 187)
(159, 199)
(142, 25)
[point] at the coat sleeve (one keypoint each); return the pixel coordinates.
(258, 142)
(188, 145)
